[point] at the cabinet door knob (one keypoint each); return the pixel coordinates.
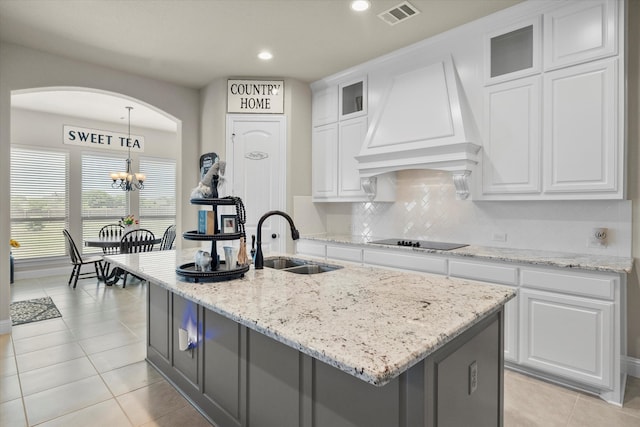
(274, 235)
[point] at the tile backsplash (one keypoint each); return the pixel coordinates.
(426, 208)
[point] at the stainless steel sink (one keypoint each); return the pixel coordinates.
(280, 263)
(298, 266)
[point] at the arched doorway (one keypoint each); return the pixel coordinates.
(39, 117)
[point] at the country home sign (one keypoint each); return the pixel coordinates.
(104, 139)
(255, 96)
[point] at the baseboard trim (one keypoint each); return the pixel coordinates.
(5, 326)
(633, 366)
(38, 273)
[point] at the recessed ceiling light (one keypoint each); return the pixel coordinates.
(360, 5)
(265, 56)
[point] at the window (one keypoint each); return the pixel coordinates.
(101, 204)
(158, 199)
(39, 201)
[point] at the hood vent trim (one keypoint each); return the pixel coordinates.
(422, 122)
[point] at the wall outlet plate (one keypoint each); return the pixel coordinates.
(499, 237)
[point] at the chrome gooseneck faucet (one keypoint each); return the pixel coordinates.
(295, 235)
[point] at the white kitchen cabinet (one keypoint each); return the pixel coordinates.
(351, 136)
(335, 175)
(503, 274)
(583, 142)
(579, 32)
(511, 151)
(555, 131)
(311, 248)
(566, 325)
(513, 52)
(324, 167)
(344, 252)
(405, 260)
(352, 100)
(568, 336)
(495, 273)
(325, 106)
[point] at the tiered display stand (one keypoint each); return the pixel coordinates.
(216, 273)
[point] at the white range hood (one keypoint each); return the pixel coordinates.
(423, 122)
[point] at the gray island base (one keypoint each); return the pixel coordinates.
(274, 350)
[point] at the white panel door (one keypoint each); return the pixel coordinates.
(582, 143)
(351, 136)
(324, 157)
(567, 336)
(511, 162)
(256, 150)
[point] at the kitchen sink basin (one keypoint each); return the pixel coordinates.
(298, 266)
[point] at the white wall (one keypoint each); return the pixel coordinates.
(22, 68)
(297, 109)
(36, 128)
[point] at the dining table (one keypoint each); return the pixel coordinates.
(113, 275)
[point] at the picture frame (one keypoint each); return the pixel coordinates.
(228, 224)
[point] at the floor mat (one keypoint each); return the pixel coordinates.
(33, 310)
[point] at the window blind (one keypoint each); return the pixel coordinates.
(39, 201)
(158, 199)
(101, 204)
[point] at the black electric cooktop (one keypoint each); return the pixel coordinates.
(424, 244)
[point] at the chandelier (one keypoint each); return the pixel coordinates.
(128, 181)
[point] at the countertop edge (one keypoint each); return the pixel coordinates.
(602, 263)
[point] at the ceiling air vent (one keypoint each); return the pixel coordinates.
(399, 13)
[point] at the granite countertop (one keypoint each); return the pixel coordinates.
(524, 256)
(371, 323)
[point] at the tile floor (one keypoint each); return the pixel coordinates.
(88, 368)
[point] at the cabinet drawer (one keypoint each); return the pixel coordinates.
(485, 272)
(307, 247)
(570, 283)
(406, 261)
(344, 253)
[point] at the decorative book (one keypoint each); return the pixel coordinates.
(206, 221)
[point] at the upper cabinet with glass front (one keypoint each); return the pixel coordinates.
(513, 52)
(353, 98)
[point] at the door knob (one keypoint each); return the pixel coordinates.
(274, 236)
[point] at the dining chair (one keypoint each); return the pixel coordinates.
(78, 261)
(168, 238)
(111, 231)
(135, 241)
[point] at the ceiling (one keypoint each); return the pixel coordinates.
(193, 42)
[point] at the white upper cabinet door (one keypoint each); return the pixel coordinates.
(351, 137)
(324, 168)
(583, 146)
(580, 32)
(511, 155)
(513, 52)
(325, 106)
(352, 99)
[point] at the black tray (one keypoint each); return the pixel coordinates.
(213, 201)
(194, 235)
(189, 272)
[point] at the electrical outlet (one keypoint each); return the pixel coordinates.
(473, 377)
(499, 237)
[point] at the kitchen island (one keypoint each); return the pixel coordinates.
(351, 347)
